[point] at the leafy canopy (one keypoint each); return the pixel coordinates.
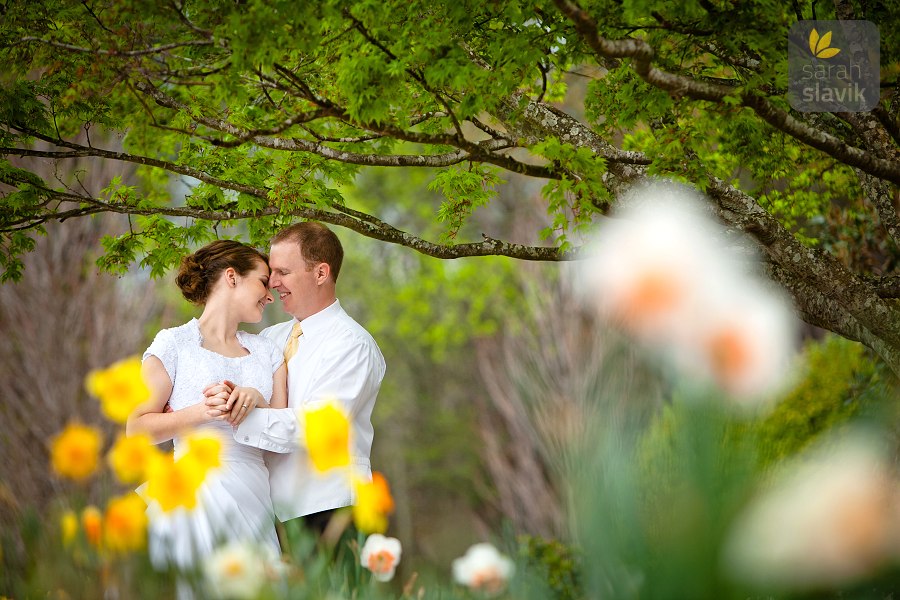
(267, 112)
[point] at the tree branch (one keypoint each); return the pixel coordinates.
(183, 18)
(745, 62)
(886, 287)
(418, 77)
(152, 50)
(80, 151)
(867, 314)
(364, 224)
(95, 17)
(815, 267)
(566, 128)
(879, 192)
(827, 313)
(642, 55)
(888, 121)
(474, 151)
(304, 117)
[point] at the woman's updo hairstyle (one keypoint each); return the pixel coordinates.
(200, 271)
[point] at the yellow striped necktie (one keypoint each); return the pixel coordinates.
(291, 348)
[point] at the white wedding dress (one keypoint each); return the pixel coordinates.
(234, 502)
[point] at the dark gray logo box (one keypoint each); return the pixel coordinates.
(841, 75)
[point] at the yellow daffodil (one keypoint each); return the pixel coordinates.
(373, 504)
(125, 524)
(68, 525)
(120, 388)
(131, 456)
(204, 449)
(174, 483)
(75, 452)
(327, 432)
(92, 522)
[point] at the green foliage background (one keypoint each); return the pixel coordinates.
(427, 314)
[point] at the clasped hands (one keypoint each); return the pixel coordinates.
(226, 401)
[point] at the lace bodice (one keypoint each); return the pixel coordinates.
(191, 367)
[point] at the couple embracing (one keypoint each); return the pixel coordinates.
(209, 375)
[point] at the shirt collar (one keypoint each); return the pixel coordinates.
(319, 321)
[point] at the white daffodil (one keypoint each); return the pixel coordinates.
(650, 264)
(665, 272)
(483, 568)
(235, 570)
(831, 518)
(381, 555)
(744, 343)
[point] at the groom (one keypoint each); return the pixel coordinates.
(335, 359)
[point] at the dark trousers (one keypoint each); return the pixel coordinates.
(340, 545)
(317, 524)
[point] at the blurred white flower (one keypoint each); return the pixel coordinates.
(235, 570)
(662, 271)
(645, 264)
(483, 568)
(831, 518)
(381, 555)
(744, 343)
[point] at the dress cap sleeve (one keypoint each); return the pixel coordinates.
(275, 353)
(166, 350)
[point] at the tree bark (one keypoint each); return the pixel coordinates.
(825, 293)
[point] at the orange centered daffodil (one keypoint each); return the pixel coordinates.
(75, 452)
(131, 456)
(125, 524)
(373, 504)
(92, 522)
(174, 484)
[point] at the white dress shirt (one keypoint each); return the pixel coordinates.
(338, 360)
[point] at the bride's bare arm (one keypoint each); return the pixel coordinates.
(279, 389)
(150, 417)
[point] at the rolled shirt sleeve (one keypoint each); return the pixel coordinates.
(272, 429)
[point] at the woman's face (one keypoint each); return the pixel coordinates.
(253, 293)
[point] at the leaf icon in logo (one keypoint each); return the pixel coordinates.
(819, 46)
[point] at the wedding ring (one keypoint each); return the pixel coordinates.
(244, 406)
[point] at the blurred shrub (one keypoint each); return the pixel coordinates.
(838, 380)
(841, 377)
(557, 565)
(696, 462)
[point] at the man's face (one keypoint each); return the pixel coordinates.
(292, 280)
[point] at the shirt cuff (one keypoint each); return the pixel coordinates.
(272, 429)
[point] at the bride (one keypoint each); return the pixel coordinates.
(230, 280)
